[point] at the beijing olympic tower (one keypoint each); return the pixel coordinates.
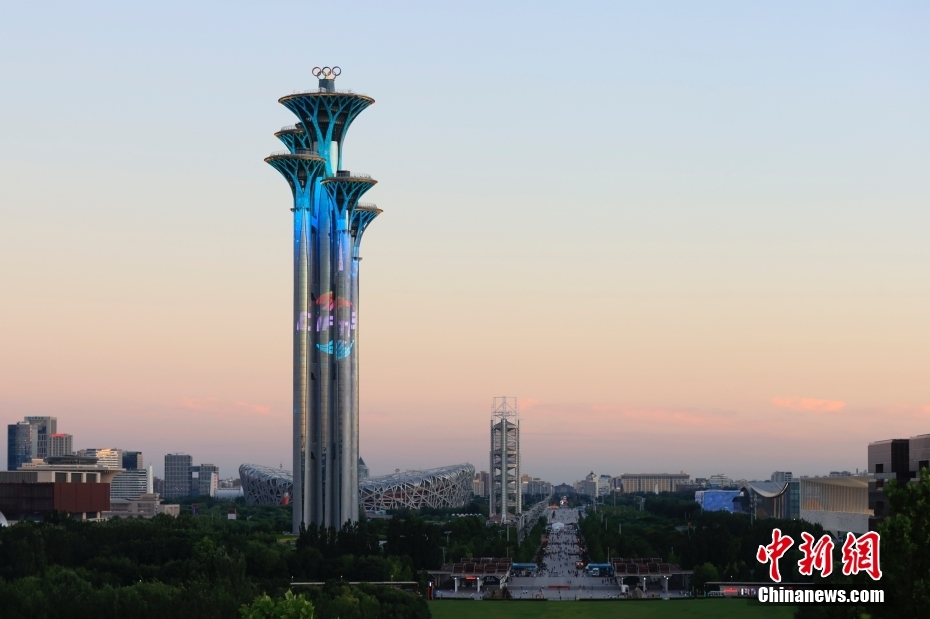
(329, 222)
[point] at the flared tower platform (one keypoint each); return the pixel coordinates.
(329, 222)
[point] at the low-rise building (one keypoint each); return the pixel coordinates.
(838, 504)
(146, 505)
(719, 481)
(769, 499)
(109, 457)
(717, 500)
(131, 484)
(653, 482)
(68, 484)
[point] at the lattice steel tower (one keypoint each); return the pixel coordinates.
(329, 222)
(506, 498)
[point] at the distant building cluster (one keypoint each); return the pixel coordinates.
(840, 501)
(45, 472)
(534, 486)
(32, 439)
(594, 485)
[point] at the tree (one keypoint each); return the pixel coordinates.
(905, 548)
(704, 574)
(289, 607)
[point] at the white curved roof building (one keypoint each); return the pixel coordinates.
(447, 486)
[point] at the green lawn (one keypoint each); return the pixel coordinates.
(684, 609)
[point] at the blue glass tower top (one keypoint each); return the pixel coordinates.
(329, 221)
(325, 116)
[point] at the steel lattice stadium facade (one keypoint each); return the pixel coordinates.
(448, 486)
(263, 485)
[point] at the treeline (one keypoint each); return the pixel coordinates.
(678, 531)
(530, 550)
(722, 546)
(208, 566)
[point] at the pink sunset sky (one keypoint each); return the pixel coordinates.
(690, 238)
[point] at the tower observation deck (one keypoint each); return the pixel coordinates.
(329, 222)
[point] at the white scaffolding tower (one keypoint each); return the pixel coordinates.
(506, 497)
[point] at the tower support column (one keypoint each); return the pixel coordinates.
(328, 226)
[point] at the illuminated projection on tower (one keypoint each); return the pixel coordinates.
(329, 222)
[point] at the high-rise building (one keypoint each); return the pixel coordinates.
(889, 459)
(485, 479)
(178, 476)
(362, 470)
(158, 485)
(132, 460)
(328, 224)
(20, 444)
(782, 477)
(918, 450)
(505, 494)
(60, 445)
(204, 480)
(43, 427)
(29, 439)
(589, 485)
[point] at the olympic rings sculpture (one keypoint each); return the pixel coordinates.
(326, 73)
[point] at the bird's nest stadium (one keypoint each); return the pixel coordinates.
(263, 485)
(447, 486)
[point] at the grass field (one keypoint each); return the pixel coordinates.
(686, 609)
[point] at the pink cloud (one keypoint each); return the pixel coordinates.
(199, 404)
(260, 409)
(809, 404)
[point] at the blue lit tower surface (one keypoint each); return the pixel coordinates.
(329, 222)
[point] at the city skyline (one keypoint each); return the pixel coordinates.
(722, 268)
